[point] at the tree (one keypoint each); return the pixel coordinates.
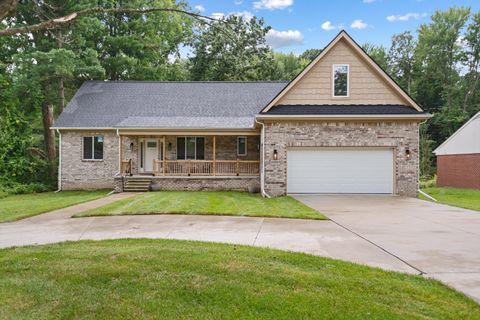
(287, 66)
(310, 54)
(400, 59)
(235, 53)
(472, 59)
(377, 53)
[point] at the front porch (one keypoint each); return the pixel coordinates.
(191, 161)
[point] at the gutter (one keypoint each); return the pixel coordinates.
(345, 117)
(59, 178)
(262, 172)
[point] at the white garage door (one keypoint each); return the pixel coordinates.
(340, 170)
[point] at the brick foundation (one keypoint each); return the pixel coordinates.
(249, 184)
(459, 170)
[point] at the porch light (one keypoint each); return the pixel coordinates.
(275, 154)
(408, 154)
(169, 146)
(131, 146)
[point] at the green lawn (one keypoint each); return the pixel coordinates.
(207, 203)
(167, 279)
(15, 207)
(463, 198)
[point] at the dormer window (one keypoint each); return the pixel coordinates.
(340, 80)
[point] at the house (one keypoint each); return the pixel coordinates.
(458, 158)
(341, 126)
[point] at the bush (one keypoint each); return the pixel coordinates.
(430, 183)
(19, 188)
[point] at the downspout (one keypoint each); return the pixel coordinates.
(262, 171)
(59, 178)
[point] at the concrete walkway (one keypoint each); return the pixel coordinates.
(441, 241)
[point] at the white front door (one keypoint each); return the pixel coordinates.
(340, 170)
(151, 152)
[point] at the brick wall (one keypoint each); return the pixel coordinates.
(399, 135)
(88, 174)
(459, 170)
(206, 183)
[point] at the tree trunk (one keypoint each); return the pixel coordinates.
(61, 89)
(49, 135)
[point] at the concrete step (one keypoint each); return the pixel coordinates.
(127, 189)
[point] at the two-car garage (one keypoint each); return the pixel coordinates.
(340, 170)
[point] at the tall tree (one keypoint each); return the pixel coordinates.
(471, 43)
(400, 59)
(287, 66)
(377, 53)
(238, 52)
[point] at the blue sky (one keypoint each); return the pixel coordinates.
(302, 24)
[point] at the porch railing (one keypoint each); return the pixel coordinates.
(206, 167)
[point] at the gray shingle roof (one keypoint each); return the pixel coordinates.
(138, 104)
(358, 109)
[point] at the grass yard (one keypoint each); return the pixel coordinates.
(463, 198)
(168, 279)
(16, 207)
(207, 203)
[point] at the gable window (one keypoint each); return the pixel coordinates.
(93, 148)
(190, 148)
(340, 80)
(241, 146)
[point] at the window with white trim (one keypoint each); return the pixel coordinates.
(93, 148)
(190, 148)
(241, 146)
(340, 80)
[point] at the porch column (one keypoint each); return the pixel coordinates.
(164, 156)
(214, 157)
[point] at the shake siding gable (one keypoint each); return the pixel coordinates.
(365, 84)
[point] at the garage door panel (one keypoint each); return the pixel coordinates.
(331, 170)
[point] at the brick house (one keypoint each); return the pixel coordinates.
(341, 126)
(458, 158)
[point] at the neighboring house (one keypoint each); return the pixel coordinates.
(458, 158)
(341, 126)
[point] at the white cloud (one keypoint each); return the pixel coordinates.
(238, 2)
(278, 39)
(246, 15)
(272, 4)
(199, 8)
(369, 1)
(217, 15)
(358, 24)
(327, 26)
(407, 16)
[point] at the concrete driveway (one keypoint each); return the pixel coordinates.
(440, 241)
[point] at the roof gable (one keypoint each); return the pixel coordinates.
(464, 141)
(369, 84)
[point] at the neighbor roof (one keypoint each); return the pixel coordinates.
(145, 104)
(464, 141)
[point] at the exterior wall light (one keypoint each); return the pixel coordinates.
(131, 146)
(408, 154)
(169, 146)
(275, 154)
